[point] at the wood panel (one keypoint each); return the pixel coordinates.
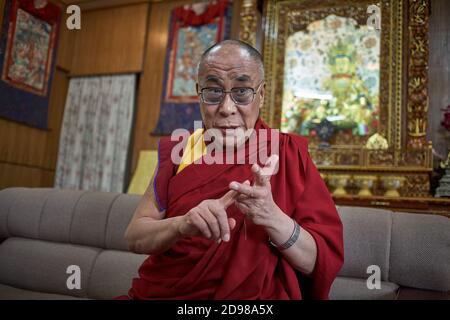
(151, 81)
(110, 41)
(12, 175)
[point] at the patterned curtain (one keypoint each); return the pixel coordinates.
(95, 133)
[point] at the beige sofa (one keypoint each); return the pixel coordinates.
(44, 231)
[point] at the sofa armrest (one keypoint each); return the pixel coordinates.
(406, 293)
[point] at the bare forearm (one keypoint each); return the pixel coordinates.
(302, 255)
(150, 236)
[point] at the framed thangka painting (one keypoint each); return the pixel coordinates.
(331, 77)
(351, 77)
(193, 29)
(27, 54)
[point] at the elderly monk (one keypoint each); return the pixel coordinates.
(234, 231)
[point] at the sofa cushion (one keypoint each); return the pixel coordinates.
(121, 212)
(113, 273)
(420, 251)
(367, 237)
(90, 218)
(57, 215)
(41, 266)
(22, 213)
(345, 288)
(12, 293)
(7, 198)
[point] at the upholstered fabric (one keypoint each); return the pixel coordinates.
(367, 240)
(42, 266)
(97, 219)
(345, 288)
(46, 230)
(13, 293)
(420, 253)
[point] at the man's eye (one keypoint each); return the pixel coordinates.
(241, 91)
(215, 90)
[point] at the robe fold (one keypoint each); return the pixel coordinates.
(246, 267)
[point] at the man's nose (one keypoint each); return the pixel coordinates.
(227, 107)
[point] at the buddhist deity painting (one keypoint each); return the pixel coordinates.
(331, 77)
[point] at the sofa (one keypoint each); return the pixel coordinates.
(45, 232)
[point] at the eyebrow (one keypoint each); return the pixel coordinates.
(243, 78)
(214, 79)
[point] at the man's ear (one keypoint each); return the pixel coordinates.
(262, 93)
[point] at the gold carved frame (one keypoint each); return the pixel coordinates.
(362, 168)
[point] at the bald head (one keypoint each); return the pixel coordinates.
(235, 48)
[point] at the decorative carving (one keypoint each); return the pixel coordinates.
(377, 142)
(365, 183)
(339, 182)
(392, 185)
(417, 105)
(399, 148)
(247, 31)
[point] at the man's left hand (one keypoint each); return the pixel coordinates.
(256, 201)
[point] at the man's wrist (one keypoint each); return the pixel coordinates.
(176, 227)
(278, 222)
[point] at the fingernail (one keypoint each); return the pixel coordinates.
(234, 186)
(226, 238)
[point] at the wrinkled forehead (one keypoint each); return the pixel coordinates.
(228, 62)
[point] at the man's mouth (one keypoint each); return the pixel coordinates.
(229, 129)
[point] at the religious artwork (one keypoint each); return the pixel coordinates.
(193, 29)
(332, 74)
(27, 57)
(357, 90)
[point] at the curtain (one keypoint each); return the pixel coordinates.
(95, 133)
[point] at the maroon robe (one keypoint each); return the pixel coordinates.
(246, 267)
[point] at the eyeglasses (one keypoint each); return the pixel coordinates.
(239, 95)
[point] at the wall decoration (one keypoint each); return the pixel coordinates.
(323, 62)
(193, 29)
(27, 54)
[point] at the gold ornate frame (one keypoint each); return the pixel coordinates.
(403, 168)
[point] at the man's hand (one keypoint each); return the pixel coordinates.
(209, 219)
(256, 201)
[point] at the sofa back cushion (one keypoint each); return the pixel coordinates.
(367, 238)
(420, 251)
(97, 219)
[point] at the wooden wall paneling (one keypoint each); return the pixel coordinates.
(151, 81)
(111, 40)
(2, 10)
(12, 175)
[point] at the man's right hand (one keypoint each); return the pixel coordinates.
(209, 219)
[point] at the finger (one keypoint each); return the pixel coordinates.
(198, 222)
(232, 223)
(245, 189)
(221, 216)
(228, 199)
(212, 222)
(260, 179)
(242, 197)
(271, 165)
